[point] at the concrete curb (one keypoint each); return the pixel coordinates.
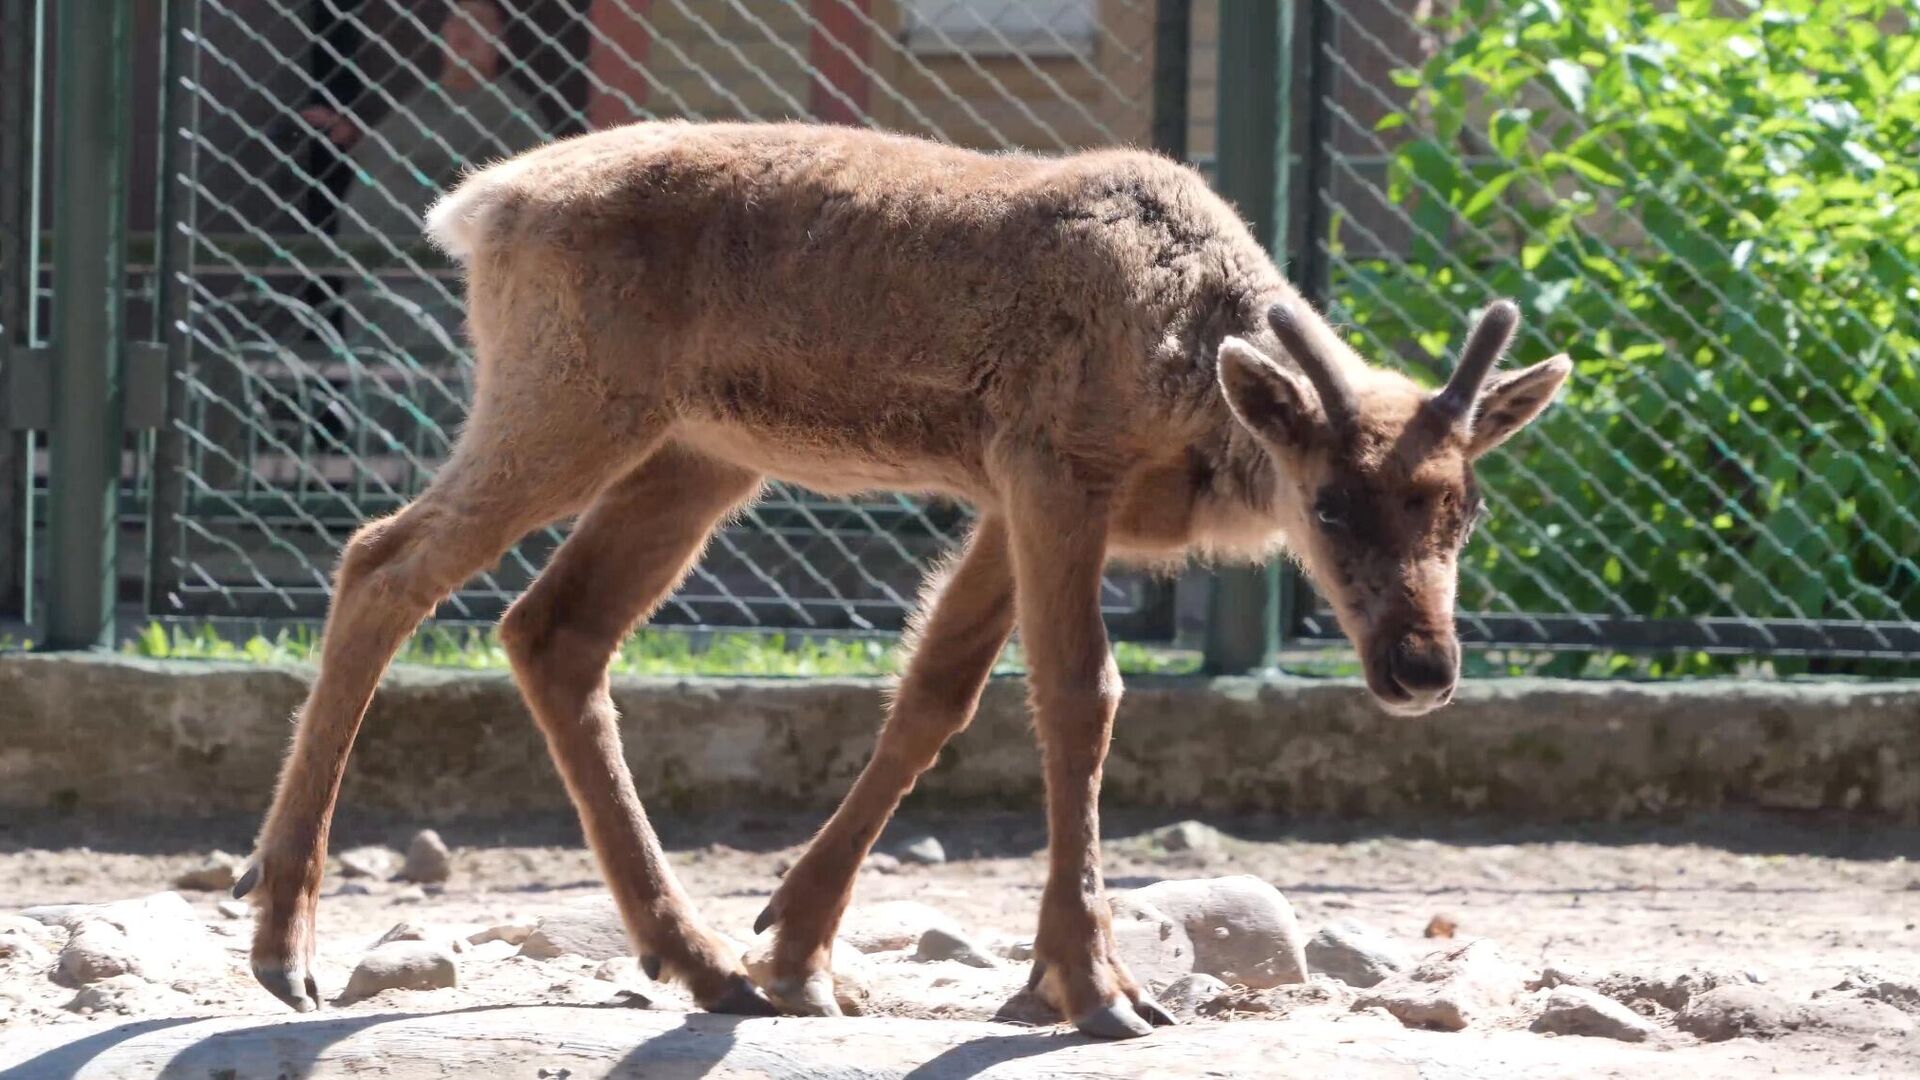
(124, 735)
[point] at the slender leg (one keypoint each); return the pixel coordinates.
(627, 554)
(391, 576)
(1059, 551)
(968, 615)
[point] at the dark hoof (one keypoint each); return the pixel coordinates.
(246, 883)
(767, 918)
(651, 966)
(294, 987)
(742, 998)
(1114, 1020)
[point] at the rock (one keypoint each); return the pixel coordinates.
(409, 894)
(1019, 951)
(1242, 930)
(892, 924)
(1356, 954)
(1185, 836)
(1189, 995)
(1453, 990)
(1441, 925)
(409, 930)
(216, 873)
(926, 851)
(97, 950)
(622, 971)
(233, 909)
(21, 951)
(1669, 988)
(401, 965)
(490, 951)
(129, 995)
(161, 906)
(428, 860)
(372, 861)
(1729, 1012)
(1572, 1010)
(512, 933)
(939, 943)
(1860, 1016)
(589, 928)
(852, 976)
(1154, 945)
(881, 863)
(1902, 994)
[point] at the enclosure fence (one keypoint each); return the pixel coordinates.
(227, 345)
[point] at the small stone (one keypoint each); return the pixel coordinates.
(892, 924)
(1356, 954)
(401, 965)
(1018, 951)
(852, 976)
(409, 930)
(1441, 926)
(511, 933)
(881, 863)
(128, 995)
(591, 928)
(1190, 995)
(353, 888)
(409, 894)
(1186, 836)
(428, 860)
(1459, 988)
(622, 971)
(371, 861)
(233, 909)
(1571, 1010)
(1241, 928)
(941, 944)
(926, 851)
(216, 873)
(1730, 1012)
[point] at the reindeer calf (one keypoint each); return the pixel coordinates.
(1092, 350)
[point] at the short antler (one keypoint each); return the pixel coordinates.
(1336, 397)
(1489, 339)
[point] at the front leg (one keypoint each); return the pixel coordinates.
(1059, 549)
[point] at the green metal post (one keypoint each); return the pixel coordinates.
(1250, 605)
(19, 39)
(92, 42)
(1172, 48)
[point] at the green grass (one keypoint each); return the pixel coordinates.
(648, 652)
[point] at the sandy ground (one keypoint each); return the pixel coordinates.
(1795, 903)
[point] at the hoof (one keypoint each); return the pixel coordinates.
(811, 996)
(650, 966)
(766, 918)
(1154, 1012)
(246, 883)
(742, 998)
(293, 986)
(1114, 1020)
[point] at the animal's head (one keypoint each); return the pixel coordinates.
(1377, 488)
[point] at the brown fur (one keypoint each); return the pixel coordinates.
(663, 314)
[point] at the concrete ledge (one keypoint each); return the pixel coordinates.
(122, 735)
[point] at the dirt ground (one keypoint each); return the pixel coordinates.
(1795, 904)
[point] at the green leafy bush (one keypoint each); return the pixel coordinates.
(1715, 208)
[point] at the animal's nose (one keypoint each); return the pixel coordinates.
(1424, 664)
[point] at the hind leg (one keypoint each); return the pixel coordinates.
(392, 574)
(967, 619)
(628, 553)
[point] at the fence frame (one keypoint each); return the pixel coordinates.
(95, 376)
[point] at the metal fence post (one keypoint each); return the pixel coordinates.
(1172, 51)
(92, 44)
(174, 230)
(19, 98)
(1249, 604)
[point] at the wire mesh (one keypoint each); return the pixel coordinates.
(1703, 204)
(328, 372)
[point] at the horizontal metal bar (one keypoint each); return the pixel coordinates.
(1890, 640)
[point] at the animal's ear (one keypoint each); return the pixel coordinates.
(1510, 400)
(1270, 400)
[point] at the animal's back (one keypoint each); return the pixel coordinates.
(861, 291)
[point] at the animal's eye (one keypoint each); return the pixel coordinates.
(1330, 513)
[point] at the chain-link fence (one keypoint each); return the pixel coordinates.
(1708, 205)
